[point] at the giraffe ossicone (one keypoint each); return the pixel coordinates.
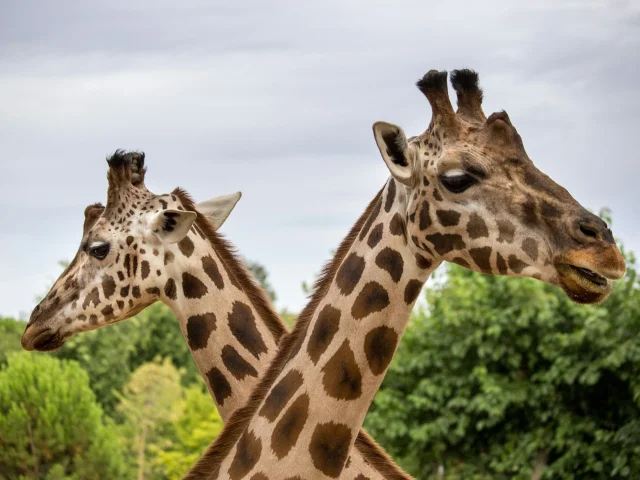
(464, 191)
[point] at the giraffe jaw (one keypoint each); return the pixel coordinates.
(583, 285)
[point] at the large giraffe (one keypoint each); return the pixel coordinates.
(464, 191)
(143, 247)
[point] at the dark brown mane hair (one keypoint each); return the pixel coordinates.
(235, 268)
(208, 465)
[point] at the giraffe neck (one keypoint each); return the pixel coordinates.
(230, 328)
(320, 386)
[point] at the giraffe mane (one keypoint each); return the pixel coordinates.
(208, 465)
(234, 265)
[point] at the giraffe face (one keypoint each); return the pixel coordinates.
(123, 264)
(472, 196)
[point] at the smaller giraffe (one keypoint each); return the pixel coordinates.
(124, 264)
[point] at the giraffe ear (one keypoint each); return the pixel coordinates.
(395, 151)
(219, 208)
(171, 226)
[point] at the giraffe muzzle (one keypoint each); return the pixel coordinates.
(43, 341)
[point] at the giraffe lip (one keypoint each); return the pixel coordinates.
(583, 285)
(590, 275)
(47, 341)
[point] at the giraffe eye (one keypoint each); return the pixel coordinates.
(458, 182)
(99, 251)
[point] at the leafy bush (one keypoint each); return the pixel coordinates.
(50, 423)
(501, 376)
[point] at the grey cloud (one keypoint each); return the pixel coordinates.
(277, 99)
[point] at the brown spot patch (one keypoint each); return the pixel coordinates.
(371, 219)
(108, 285)
(192, 286)
(375, 236)
(219, 385)
(422, 262)
(170, 289)
(425, 218)
(242, 324)
(515, 264)
(549, 210)
(135, 264)
(502, 265)
(476, 227)
(341, 375)
(349, 273)
(530, 247)
(259, 476)
(248, 452)
(444, 243)
(391, 195)
(145, 269)
(482, 258)
(461, 261)
(124, 291)
(506, 231)
(448, 218)
(372, 298)
(186, 246)
(168, 257)
(155, 291)
(329, 447)
(288, 429)
(129, 240)
(411, 291)
(396, 226)
(391, 261)
(280, 395)
(379, 347)
(107, 312)
(323, 331)
(92, 297)
(237, 366)
(126, 264)
(135, 291)
(199, 328)
(211, 268)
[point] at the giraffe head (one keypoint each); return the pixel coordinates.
(121, 265)
(471, 195)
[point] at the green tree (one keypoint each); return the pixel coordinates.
(194, 427)
(110, 354)
(50, 424)
(504, 376)
(10, 335)
(146, 405)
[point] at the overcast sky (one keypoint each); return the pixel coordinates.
(277, 99)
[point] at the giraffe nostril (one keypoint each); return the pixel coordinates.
(589, 230)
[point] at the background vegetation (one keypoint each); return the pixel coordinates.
(496, 378)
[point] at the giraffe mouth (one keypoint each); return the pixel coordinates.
(583, 285)
(45, 341)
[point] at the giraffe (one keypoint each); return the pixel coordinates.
(464, 191)
(143, 248)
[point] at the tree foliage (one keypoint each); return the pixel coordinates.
(502, 375)
(196, 424)
(147, 406)
(50, 424)
(10, 335)
(111, 354)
